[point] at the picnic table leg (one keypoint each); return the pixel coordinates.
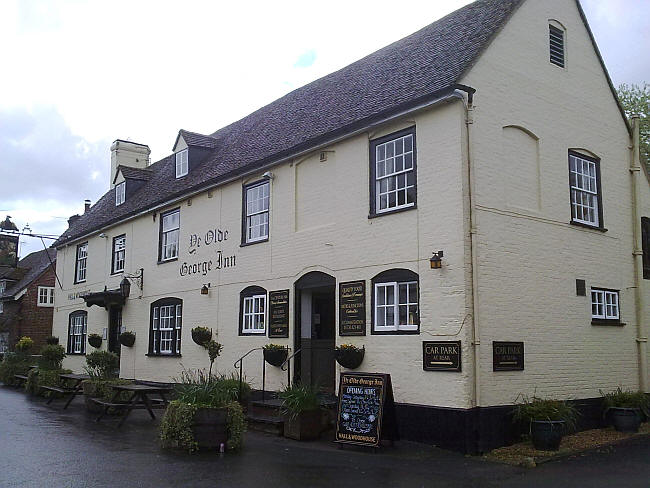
(50, 398)
(105, 411)
(147, 403)
(129, 406)
(74, 393)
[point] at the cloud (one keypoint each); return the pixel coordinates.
(306, 59)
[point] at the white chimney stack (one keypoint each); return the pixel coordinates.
(128, 153)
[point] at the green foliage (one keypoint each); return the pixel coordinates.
(176, 426)
(51, 357)
(535, 408)
(201, 335)
(102, 364)
(37, 378)
(199, 388)
(230, 383)
(101, 388)
(24, 344)
(636, 100)
(95, 340)
(627, 399)
(52, 340)
(236, 425)
(13, 364)
(299, 398)
(274, 347)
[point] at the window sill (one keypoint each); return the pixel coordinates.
(372, 215)
(395, 332)
(117, 272)
(79, 282)
(244, 244)
(259, 334)
(75, 353)
(587, 226)
(152, 355)
(171, 260)
(615, 323)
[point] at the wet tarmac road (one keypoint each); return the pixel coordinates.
(45, 446)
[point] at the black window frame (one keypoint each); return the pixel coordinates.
(601, 224)
(398, 275)
(113, 270)
(557, 31)
(645, 244)
(84, 335)
(248, 292)
(244, 216)
(76, 263)
(373, 172)
(162, 302)
(160, 236)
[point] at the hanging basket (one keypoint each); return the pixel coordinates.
(201, 335)
(275, 357)
(95, 340)
(350, 358)
(127, 339)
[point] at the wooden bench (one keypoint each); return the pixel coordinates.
(57, 389)
(20, 380)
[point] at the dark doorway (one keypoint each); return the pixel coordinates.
(315, 326)
(114, 329)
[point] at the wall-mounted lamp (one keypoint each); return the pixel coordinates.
(205, 289)
(125, 284)
(436, 260)
(268, 175)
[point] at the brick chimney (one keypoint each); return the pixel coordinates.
(127, 153)
(73, 219)
(86, 205)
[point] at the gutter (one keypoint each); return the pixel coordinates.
(642, 334)
(441, 96)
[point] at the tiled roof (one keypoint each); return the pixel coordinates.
(29, 268)
(398, 77)
(135, 173)
(196, 139)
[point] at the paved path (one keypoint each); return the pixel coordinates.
(44, 446)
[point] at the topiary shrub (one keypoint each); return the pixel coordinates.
(51, 357)
(102, 364)
(95, 340)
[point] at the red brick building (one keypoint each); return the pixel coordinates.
(27, 299)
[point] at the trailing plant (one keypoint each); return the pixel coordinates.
(533, 408)
(201, 335)
(127, 338)
(24, 344)
(52, 340)
(51, 358)
(95, 340)
(176, 426)
(299, 398)
(102, 364)
(620, 398)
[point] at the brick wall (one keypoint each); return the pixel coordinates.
(35, 321)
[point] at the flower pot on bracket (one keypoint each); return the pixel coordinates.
(275, 357)
(350, 358)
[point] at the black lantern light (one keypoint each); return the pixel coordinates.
(205, 289)
(125, 287)
(436, 260)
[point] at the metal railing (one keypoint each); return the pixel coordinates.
(239, 363)
(286, 365)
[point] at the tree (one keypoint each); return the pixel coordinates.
(636, 100)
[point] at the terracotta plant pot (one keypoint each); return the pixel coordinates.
(306, 426)
(275, 357)
(210, 427)
(350, 358)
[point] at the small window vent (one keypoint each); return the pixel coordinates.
(556, 42)
(323, 156)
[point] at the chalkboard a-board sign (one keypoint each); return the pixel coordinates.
(507, 356)
(441, 356)
(366, 409)
(279, 313)
(352, 308)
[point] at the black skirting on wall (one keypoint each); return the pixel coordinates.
(477, 430)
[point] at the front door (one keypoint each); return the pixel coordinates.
(315, 331)
(114, 329)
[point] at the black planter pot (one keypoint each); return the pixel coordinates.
(201, 337)
(547, 434)
(127, 339)
(95, 340)
(626, 419)
(275, 357)
(210, 427)
(350, 358)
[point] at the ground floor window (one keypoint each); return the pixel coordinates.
(77, 326)
(252, 311)
(604, 305)
(166, 323)
(396, 302)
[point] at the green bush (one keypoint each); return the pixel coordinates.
(24, 344)
(299, 398)
(535, 408)
(627, 399)
(102, 364)
(51, 357)
(101, 388)
(38, 378)
(13, 364)
(52, 340)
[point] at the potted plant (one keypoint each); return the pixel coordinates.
(95, 340)
(547, 420)
(275, 354)
(201, 335)
(350, 356)
(301, 405)
(626, 408)
(127, 338)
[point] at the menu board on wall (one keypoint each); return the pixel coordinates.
(352, 308)
(279, 313)
(441, 356)
(507, 356)
(366, 409)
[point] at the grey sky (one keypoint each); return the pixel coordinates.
(85, 73)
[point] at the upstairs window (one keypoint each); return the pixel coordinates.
(604, 305)
(166, 323)
(77, 325)
(45, 296)
(556, 45)
(170, 223)
(584, 181)
(181, 163)
(120, 193)
(252, 311)
(645, 241)
(393, 173)
(80, 267)
(256, 212)
(119, 253)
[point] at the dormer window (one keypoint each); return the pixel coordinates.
(181, 163)
(120, 193)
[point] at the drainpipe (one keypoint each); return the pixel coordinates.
(642, 336)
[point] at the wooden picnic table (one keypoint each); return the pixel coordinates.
(72, 391)
(139, 399)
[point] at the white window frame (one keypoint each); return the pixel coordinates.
(257, 202)
(394, 174)
(81, 263)
(605, 304)
(182, 165)
(119, 254)
(120, 193)
(254, 315)
(167, 323)
(584, 186)
(412, 322)
(45, 296)
(78, 332)
(169, 236)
